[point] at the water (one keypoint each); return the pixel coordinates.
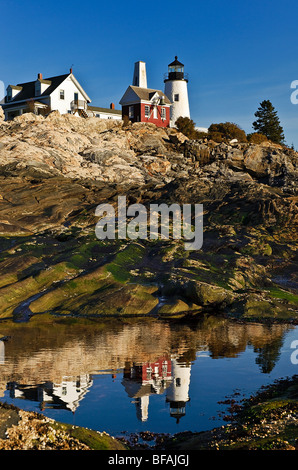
(133, 376)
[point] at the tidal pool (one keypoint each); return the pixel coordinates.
(126, 376)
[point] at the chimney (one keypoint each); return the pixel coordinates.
(39, 76)
(112, 106)
(140, 76)
(70, 70)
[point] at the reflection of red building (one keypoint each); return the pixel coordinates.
(142, 380)
(148, 371)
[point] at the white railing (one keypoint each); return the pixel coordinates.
(78, 104)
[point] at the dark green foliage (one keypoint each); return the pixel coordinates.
(187, 127)
(226, 131)
(268, 123)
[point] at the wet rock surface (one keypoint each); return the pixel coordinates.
(23, 430)
(54, 172)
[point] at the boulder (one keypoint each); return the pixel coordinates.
(197, 151)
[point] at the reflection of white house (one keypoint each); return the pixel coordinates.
(177, 393)
(65, 395)
(71, 392)
(62, 93)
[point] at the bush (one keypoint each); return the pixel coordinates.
(256, 138)
(224, 132)
(126, 121)
(187, 127)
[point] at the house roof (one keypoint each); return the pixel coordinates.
(144, 94)
(28, 88)
(105, 110)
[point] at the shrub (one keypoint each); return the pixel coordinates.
(187, 127)
(224, 132)
(256, 138)
(126, 121)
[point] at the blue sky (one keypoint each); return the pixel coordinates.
(237, 53)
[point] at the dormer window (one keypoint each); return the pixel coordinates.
(37, 88)
(12, 91)
(41, 85)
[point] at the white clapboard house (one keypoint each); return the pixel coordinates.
(62, 93)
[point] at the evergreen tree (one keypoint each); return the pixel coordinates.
(268, 124)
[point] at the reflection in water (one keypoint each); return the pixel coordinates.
(268, 355)
(65, 395)
(142, 380)
(164, 375)
(54, 363)
(177, 395)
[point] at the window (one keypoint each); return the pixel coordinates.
(37, 89)
(163, 113)
(61, 94)
(178, 382)
(131, 111)
(176, 97)
(76, 96)
(147, 111)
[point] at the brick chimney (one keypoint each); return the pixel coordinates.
(39, 76)
(112, 106)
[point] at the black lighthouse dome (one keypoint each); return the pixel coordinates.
(176, 71)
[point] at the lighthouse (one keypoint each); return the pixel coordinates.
(176, 90)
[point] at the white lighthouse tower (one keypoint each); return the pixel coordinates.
(176, 90)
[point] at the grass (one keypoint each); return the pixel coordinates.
(93, 439)
(129, 258)
(278, 293)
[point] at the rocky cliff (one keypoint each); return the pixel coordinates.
(54, 171)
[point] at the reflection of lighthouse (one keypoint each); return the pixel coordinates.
(177, 393)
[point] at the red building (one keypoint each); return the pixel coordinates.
(142, 104)
(146, 105)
